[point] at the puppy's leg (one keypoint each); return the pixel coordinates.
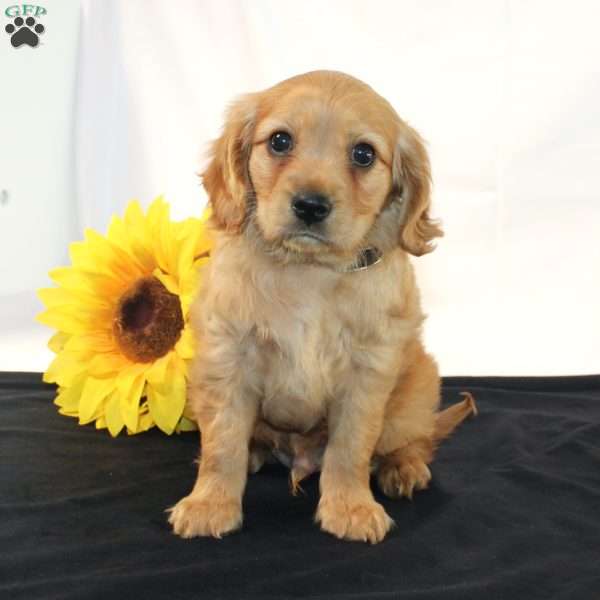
(214, 507)
(406, 469)
(413, 428)
(406, 444)
(347, 508)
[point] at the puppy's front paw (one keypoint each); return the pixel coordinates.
(396, 480)
(363, 521)
(200, 515)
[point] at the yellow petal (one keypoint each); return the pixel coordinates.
(58, 341)
(94, 392)
(167, 280)
(174, 370)
(79, 253)
(65, 413)
(74, 300)
(134, 216)
(188, 286)
(186, 424)
(68, 397)
(107, 363)
(158, 227)
(157, 372)
(117, 232)
(145, 422)
(89, 344)
(186, 303)
(71, 278)
(158, 405)
(89, 283)
(109, 258)
(143, 253)
(187, 248)
(63, 320)
(113, 416)
(130, 387)
(55, 296)
(167, 243)
(166, 408)
(129, 240)
(63, 370)
(185, 345)
(139, 242)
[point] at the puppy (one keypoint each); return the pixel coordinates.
(309, 316)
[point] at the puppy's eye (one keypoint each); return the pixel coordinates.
(363, 155)
(281, 142)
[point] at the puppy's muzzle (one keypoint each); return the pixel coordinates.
(311, 208)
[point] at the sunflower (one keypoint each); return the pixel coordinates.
(121, 310)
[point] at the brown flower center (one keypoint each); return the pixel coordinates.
(148, 321)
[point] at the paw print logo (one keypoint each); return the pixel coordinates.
(24, 32)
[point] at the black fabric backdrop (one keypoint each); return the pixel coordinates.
(513, 510)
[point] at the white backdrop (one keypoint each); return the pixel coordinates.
(506, 93)
(37, 208)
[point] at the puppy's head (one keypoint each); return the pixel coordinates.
(319, 166)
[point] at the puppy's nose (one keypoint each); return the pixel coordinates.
(311, 208)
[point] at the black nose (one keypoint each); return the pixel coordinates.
(311, 208)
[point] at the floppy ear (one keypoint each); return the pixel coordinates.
(412, 180)
(226, 178)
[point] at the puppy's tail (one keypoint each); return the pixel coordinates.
(450, 418)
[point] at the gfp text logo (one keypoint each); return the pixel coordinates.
(24, 29)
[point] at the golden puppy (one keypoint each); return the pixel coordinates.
(309, 313)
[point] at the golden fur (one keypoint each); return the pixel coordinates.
(288, 339)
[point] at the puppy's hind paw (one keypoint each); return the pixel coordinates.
(397, 480)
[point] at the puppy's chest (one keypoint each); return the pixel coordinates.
(302, 354)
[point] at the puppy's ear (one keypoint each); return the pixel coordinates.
(412, 181)
(226, 178)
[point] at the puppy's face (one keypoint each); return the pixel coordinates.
(321, 169)
(320, 166)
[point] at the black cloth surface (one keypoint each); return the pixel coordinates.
(513, 510)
